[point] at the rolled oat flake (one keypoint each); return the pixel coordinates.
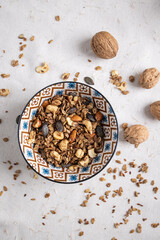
(89, 80)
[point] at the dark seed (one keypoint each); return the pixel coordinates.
(90, 117)
(86, 101)
(72, 110)
(99, 131)
(89, 80)
(45, 129)
(59, 126)
(17, 119)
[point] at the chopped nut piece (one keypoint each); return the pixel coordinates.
(1, 192)
(3, 75)
(4, 92)
(77, 74)
(14, 63)
(154, 225)
(131, 231)
(92, 220)
(32, 38)
(43, 68)
(47, 195)
(52, 211)
(131, 78)
(65, 76)
(139, 228)
(155, 189)
(57, 18)
(81, 233)
(118, 153)
(50, 41)
(102, 179)
(5, 188)
(98, 68)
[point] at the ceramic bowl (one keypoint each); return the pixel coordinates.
(62, 174)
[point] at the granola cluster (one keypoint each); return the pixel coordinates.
(67, 131)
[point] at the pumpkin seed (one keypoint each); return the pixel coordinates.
(89, 80)
(99, 131)
(72, 110)
(45, 129)
(59, 126)
(90, 117)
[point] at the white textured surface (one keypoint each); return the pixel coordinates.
(136, 26)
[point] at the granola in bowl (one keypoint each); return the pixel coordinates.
(67, 131)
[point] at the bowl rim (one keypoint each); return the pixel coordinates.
(19, 121)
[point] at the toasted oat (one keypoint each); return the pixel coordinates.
(21, 36)
(20, 55)
(102, 179)
(32, 38)
(87, 190)
(53, 212)
(33, 199)
(114, 238)
(47, 195)
(155, 190)
(57, 18)
(5, 188)
(108, 184)
(152, 182)
(102, 198)
(1, 192)
(80, 221)
(154, 225)
(3, 75)
(35, 176)
(134, 180)
(116, 225)
(109, 170)
(89, 60)
(118, 161)
(81, 233)
(23, 182)
(65, 76)
(98, 68)
(136, 194)
(5, 139)
(131, 78)
(22, 47)
(77, 74)
(84, 203)
(75, 79)
(50, 41)
(114, 170)
(14, 63)
(124, 167)
(131, 231)
(118, 153)
(10, 167)
(92, 220)
(114, 177)
(139, 228)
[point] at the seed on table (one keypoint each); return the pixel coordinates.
(89, 80)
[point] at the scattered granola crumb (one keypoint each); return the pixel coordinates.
(118, 161)
(1, 192)
(109, 170)
(57, 18)
(114, 170)
(35, 176)
(4, 51)
(43, 223)
(75, 79)
(92, 220)
(81, 233)
(155, 190)
(114, 177)
(0, 121)
(50, 41)
(5, 188)
(10, 167)
(131, 78)
(32, 38)
(23, 182)
(124, 167)
(65, 76)
(5, 139)
(89, 60)
(152, 182)
(14, 63)
(3, 75)
(23, 65)
(20, 55)
(136, 194)
(33, 199)
(118, 153)
(124, 125)
(154, 225)
(129, 200)
(25, 195)
(102, 198)
(108, 184)
(21, 36)
(77, 74)
(22, 47)
(87, 190)
(47, 195)
(43, 68)
(114, 238)
(131, 231)
(53, 212)
(116, 225)
(102, 179)
(139, 228)
(98, 68)
(144, 219)
(134, 180)
(24, 89)
(84, 203)
(80, 221)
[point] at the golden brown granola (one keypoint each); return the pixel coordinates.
(50, 41)
(98, 68)
(3, 75)
(32, 38)
(81, 233)
(65, 76)
(57, 18)
(47, 195)
(14, 63)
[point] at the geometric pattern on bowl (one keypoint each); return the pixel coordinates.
(62, 174)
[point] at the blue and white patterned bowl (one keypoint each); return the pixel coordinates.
(64, 175)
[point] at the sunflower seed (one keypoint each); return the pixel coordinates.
(45, 129)
(72, 110)
(89, 80)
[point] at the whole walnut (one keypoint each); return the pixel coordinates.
(136, 134)
(149, 78)
(104, 45)
(155, 109)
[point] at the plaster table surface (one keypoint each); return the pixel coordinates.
(135, 24)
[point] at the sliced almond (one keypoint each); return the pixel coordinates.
(92, 153)
(88, 125)
(72, 136)
(76, 118)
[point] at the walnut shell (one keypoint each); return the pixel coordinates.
(155, 109)
(136, 134)
(149, 78)
(104, 45)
